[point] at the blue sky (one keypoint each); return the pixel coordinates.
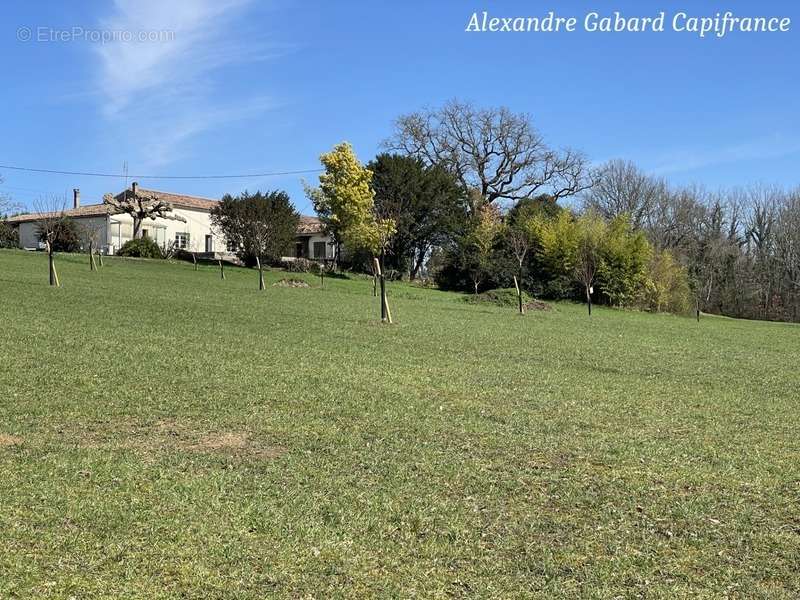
(246, 87)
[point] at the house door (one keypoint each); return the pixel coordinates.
(209, 243)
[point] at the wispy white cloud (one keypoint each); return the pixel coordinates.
(762, 148)
(160, 93)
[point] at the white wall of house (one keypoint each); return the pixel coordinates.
(28, 236)
(319, 239)
(114, 230)
(29, 231)
(190, 235)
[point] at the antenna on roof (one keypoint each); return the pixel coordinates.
(125, 172)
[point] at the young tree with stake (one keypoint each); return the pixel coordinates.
(346, 198)
(479, 244)
(521, 237)
(591, 230)
(50, 222)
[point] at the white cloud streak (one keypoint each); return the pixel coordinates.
(160, 94)
(765, 148)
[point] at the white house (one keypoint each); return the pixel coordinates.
(196, 234)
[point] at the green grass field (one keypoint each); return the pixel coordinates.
(167, 434)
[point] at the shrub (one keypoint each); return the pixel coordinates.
(667, 287)
(140, 248)
(8, 236)
(300, 265)
(625, 256)
(67, 236)
(502, 297)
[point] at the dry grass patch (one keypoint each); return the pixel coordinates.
(169, 436)
(9, 440)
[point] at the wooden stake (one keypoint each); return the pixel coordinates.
(51, 266)
(221, 270)
(589, 299)
(260, 274)
(100, 256)
(194, 260)
(91, 257)
(519, 296)
(386, 314)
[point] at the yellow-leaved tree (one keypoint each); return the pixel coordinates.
(345, 202)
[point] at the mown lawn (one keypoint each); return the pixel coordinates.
(167, 434)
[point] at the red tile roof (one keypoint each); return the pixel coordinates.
(310, 225)
(90, 210)
(180, 200)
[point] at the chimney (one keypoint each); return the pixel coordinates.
(134, 187)
(76, 198)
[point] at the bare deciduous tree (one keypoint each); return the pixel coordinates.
(587, 258)
(620, 187)
(7, 203)
(521, 236)
(92, 233)
(49, 219)
(140, 206)
(492, 150)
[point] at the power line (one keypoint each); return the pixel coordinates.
(118, 175)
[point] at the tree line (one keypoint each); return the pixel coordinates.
(740, 247)
(473, 199)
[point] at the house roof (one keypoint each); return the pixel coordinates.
(179, 200)
(310, 225)
(90, 210)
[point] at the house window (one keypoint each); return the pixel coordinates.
(145, 233)
(319, 250)
(182, 240)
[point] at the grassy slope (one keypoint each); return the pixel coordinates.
(463, 452)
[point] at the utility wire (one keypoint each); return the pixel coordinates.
(118, 175)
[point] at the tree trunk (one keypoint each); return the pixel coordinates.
(194, 260)
(260, 274)
(589, 300)
(100, 257)
(386, 315)
(383, 297)
(221, 270)
(51, 265)
(91, 256)
(697, 308)
(519, 296)
(137, 227)
(322, 275)
(416, 265)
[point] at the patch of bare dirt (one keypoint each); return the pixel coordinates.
(9, 440)
(170, 435)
